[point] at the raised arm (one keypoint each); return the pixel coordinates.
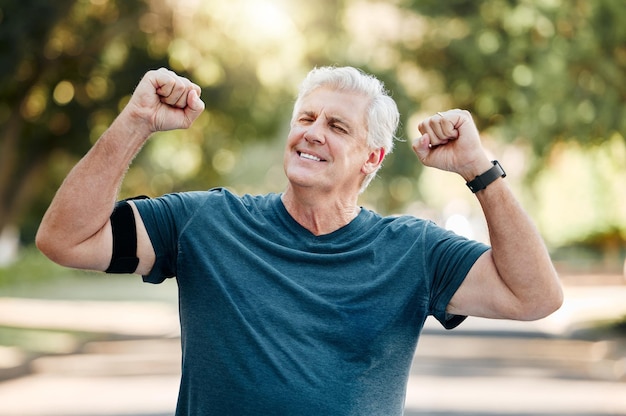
(76, 229)
(516, 278)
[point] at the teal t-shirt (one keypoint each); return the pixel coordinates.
(278, 321)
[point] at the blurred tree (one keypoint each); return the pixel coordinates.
(533, 72)
(540, 71)
(67, 67)
(541, 74)
(57, 63)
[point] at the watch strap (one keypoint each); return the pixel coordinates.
(480, 182)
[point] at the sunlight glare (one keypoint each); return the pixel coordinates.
(265, 19)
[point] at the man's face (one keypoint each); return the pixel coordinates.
(327, 144)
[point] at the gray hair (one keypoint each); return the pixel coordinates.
(382, 114)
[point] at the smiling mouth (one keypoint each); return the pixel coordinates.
(310, 157)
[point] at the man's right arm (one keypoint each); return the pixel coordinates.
(76, 229)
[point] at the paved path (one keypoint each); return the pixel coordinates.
(483, 368)
(493, 374)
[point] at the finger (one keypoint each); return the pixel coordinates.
(184, 96)
(443, 129)
(431, 129)
(196, 88)
(439, 128)
(164, 82)
(173, 89)
(436, 124)
(421, 147)
(195, 105)
(178, 95)
(447, 127)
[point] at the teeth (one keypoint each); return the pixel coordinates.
(310, 157)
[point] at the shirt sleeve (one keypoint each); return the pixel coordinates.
(165, 218)
(449, 258)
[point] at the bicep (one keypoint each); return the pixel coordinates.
(483, 293)
(95, 253)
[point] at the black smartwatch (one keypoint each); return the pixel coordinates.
(480, 182)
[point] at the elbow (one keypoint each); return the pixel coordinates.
(51, 246)
(59, 248)
(41, 241)
(558, 299)
(45, 244)
(543, 305)
(543, 310)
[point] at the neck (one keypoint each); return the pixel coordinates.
(318, 214)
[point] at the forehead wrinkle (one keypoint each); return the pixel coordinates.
(330, 118)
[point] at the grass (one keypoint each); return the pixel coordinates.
(42, 341)
(34, 276)
(33, 267)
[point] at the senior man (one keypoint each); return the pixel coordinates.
(303, 302)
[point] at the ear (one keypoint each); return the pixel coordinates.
(374, 160)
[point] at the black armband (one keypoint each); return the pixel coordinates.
(124, 258)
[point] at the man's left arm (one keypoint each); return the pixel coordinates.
(516, 278)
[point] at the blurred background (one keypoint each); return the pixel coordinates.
(544, 80)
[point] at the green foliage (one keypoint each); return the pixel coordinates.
(71, 65)
(540, 71)
(580, 196)
(58, 90)
(534, 73)
(32, 267)
(42, 341)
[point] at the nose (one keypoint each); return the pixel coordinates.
(315, 132)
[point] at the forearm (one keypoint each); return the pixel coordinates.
(76, 230)
(519, 253)
(516, 279)
(85, 200)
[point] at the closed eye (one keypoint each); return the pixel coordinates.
(339, 128)
(339, 125)
(306, 120)
(307, 117)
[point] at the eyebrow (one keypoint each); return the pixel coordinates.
(307, 113)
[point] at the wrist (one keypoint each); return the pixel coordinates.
(133, 126)
(480, 182)
(477, 169)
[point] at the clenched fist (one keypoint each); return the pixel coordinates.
(164, 100)
(450, 141)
